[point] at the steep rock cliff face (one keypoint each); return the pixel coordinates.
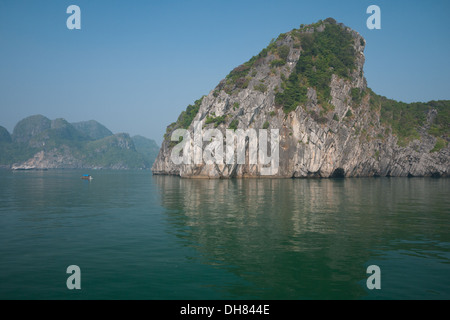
(330, 124)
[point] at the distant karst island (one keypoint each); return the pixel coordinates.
(40, 143)
(309, 84)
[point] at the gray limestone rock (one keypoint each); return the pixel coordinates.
(349, 140)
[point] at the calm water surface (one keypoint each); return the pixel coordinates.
(138, 236)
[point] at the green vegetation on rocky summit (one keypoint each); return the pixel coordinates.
(405, 119)
(323, 54)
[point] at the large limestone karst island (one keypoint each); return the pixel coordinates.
(309, 84)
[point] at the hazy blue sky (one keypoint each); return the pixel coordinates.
(135, 65)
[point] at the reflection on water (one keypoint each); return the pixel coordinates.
(138, 236)
(294, 239)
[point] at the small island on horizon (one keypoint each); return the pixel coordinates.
(39, 143)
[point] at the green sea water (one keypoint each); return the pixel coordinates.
(138, 236)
